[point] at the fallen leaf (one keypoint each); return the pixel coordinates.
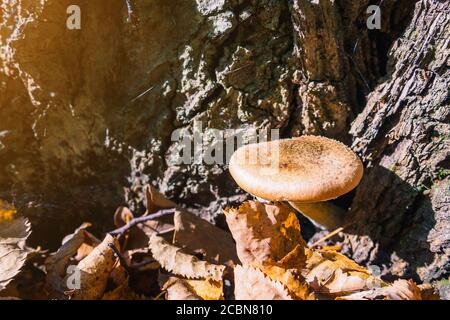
(122, 216)
(174, 260)
(288, 272)
(428, 292)
(56, 264)
(7, 211)
(157, 201)
(179, 289)
(197, 236)
(252, 284)
(207, 289)
(333, 274)
(13, 253)
(184, 289)
(94, 271)
(263, 232)
(399, 290)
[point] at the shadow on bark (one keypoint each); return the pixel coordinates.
(392, 229)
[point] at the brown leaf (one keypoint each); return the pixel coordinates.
(157, 201)
(399, 290)
(13, 253)
(288, 272)
(180, 289)
(56, 264)
(197, 236)
(428, 292)
(207, 289)
(122, 216)
(263, 232)
(174, 260)
(333, 274)
(252, 284)
(94, 271)
(184, 289)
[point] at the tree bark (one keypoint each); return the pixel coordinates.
(402, 207)
(86, 115)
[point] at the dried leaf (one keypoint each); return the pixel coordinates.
(56, 264)
(7, 211)
(333, 274)
(288, 272)
(263, 232)
(197, 236)
(157, 201)
(252, 284)
(94, 271)
(13, 253)
(180, 289)
(399, 290)
(207, 289)
(174, 260)
(186, 289)
(428, 292)
(122, 216)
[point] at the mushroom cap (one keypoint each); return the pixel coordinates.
(304, 169)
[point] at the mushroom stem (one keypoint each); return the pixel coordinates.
(324, 214)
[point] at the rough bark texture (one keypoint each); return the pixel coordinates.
(402, 207)
(86, 116)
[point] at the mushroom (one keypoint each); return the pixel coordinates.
(305, 171)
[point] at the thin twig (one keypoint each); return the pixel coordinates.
(161, 213)
(330, 235)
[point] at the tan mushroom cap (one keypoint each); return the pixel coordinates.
(304, 169)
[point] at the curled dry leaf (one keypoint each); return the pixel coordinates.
(122, 216)
(174, 260)
(13, 253)
(252, 284)
(263, 232)
(197, 236)
(56, 264)
(332, 274)
(94, 271)
(399, 290)
(157, 201)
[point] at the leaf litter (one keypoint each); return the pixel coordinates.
(179, 256)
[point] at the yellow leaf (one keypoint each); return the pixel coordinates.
(288, 272)
(332, 274)
(207, 289)
(179, 289)
(7, 211)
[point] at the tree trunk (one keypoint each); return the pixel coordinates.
(402, 207)
(87, 115)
